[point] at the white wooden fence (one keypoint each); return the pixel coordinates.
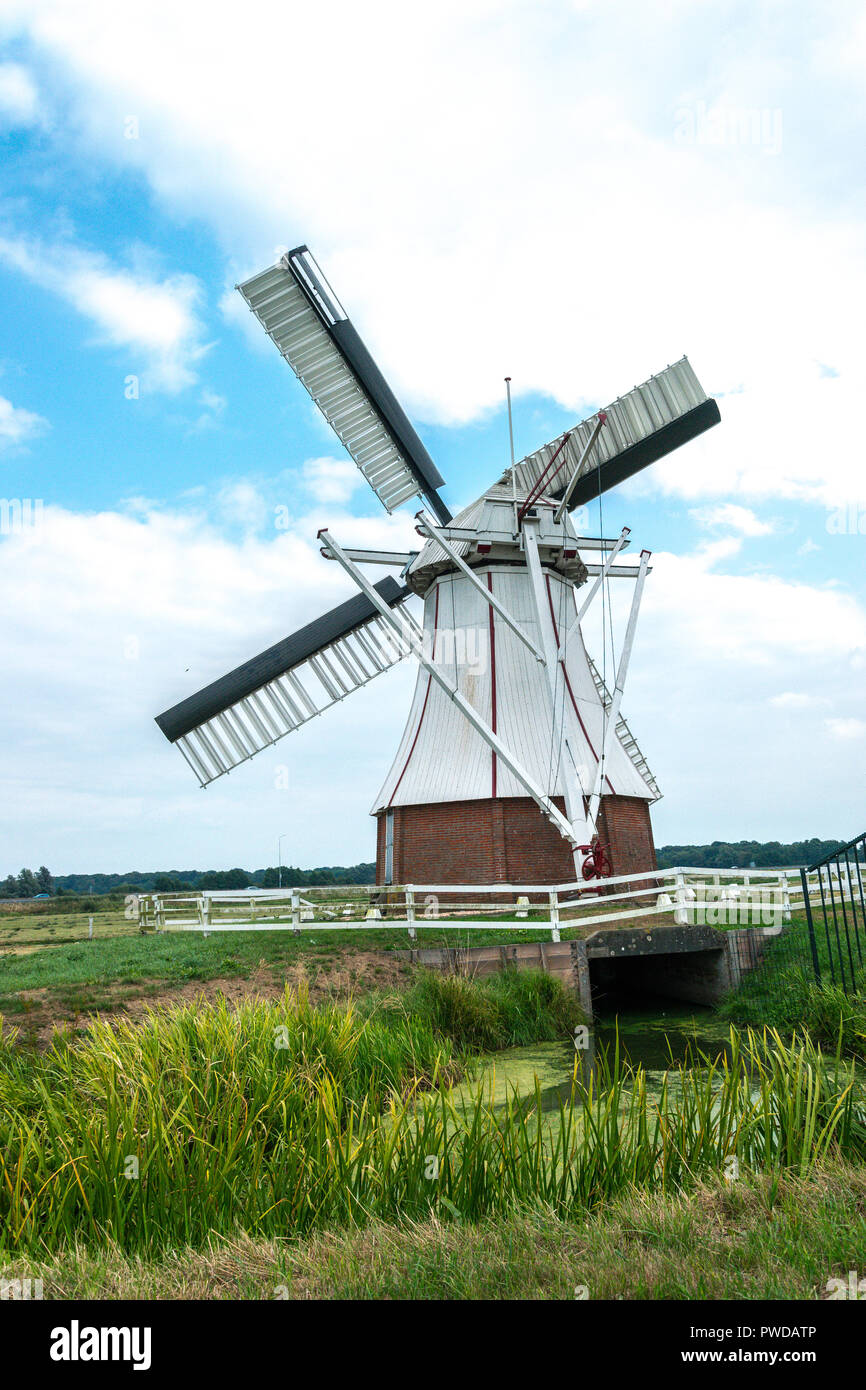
(687, 896)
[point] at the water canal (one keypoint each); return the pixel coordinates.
(656, 1035)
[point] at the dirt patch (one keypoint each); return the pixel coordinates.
(28, 950)
(353, 973)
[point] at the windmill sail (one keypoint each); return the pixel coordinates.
(642, 426)
(301, 314)
(282, 688)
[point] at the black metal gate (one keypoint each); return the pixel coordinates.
(837, 927)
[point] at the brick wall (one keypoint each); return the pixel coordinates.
(505, 840)
(624, 828)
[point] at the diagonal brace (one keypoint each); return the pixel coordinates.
(575, 477)
(413, 636)
(602, 575)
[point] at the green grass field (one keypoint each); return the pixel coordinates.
(75, 975)
(49, 968)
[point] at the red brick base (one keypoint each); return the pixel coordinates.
(507, 840)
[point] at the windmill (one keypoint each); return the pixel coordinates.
(516, 763)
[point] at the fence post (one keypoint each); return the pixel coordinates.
(296, 912)
(554, 915)
(410, 910)
(812, 946)
(681, 916)
(786, 899)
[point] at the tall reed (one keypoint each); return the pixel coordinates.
(281, 1118)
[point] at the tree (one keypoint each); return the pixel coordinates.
(26, 884)
(9, 887)
(44, 881)
(225, 878)
(169, 883)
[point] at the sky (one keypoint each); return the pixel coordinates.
(572, 194)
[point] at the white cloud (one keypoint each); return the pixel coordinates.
(712, 552)
(732, 517)
(19, 98)
(242, 505)
(712, 653)
(526, 208)
(449, 222)
(17, 425)
(154, 320)
(214, 409)
(111, 618)
(796, 699)
(331, 480)
(847, 728)
(214, 402)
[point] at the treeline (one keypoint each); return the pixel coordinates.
(721, 854)
(746, 854)
(27, 884)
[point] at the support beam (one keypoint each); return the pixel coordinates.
(617, 571)
(573, 480)
(621, 672)
(411, 633)
(574, 796)
(399, 558)
(432, 532)
(470, 533)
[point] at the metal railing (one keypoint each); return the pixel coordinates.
(837, 927)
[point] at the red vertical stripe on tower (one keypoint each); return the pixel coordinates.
(568, 682)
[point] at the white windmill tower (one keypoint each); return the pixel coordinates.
(516, 763)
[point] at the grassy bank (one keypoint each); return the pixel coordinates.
(783, 993)
(779, 1237)
(282, 1119)
(511, 1009)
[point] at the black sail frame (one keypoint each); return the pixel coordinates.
(282, 657)
(355, 398)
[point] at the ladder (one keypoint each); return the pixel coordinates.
(625, 735)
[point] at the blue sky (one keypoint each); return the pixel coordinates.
(494, 188)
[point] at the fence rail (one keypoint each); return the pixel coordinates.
(714, 897)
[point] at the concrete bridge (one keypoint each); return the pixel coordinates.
(697, 965)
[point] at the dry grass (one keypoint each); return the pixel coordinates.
(761, 1237)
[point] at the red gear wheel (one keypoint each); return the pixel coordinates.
(596, 864)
